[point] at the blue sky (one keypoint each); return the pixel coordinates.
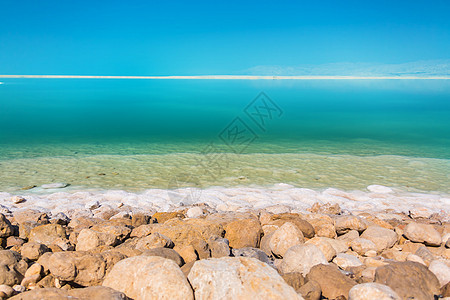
(215, 37)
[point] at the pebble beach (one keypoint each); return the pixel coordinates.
(278, 242)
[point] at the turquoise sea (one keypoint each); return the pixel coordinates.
(136, 134)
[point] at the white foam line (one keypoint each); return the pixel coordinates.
(233, 77)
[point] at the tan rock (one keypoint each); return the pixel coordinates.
(311, 290)
(165, 253)
(162, 217)
(149, 277)
(33, 251)
(301, 258)
(325, 246)
(155, 240)
(7, 290)
(349, 236)
(294, 279)
(244, 233)
(12, 267)
(283, 238)
(362, 246)
(121, 232)
(238, 278)
(422, 233)
(80, 267)
(31, 215)
(415, 258)
(188, 253)
(332, 282)
(344, 224)
(372, 291)
(327, 208)
(89, 239)
(441, 268)
(409, 280)
(344, 261)
(305, 227)
(144, 230)
(47, 234)
(94, 292)
(326, 230)
(219, 247)
(383, 238)
(34, 269)
(6, 228)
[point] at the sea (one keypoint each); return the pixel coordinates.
(138, 134)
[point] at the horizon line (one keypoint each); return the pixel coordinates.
(232, 77)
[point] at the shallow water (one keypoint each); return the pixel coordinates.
(139, 134)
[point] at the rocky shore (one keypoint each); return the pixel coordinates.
(109, 249)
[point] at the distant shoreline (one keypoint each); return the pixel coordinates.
(234, 77)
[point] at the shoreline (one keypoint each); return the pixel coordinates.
(284, 197)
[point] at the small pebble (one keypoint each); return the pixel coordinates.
(56, 185)
(18, 199)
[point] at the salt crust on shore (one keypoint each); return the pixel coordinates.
(278, 198)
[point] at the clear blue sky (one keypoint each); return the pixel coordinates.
(214, 37)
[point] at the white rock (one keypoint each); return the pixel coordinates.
(149, 277)
(301, 258)
(372, 291)
(238, 278)
(283, 238)
(91, 205)
(441, 269)
(344, 260)
(56, 185)
(194, 212)
(379, 189)
(18, 199)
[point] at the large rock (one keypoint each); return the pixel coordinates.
(89, 239)
(6, 228)
(47, 234)
(285, 237)
(93, 292)
(372, 291)
(409, 280)
(12, 267)
(165, 253)
(344, 224)
(82, 268)
(302, 258)
(149, 277)
(441, 269)
(238, 278)
(244, 233)
(422, 233)
(121, 232)
(33, 251)
(382, 238)
(332, 282)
